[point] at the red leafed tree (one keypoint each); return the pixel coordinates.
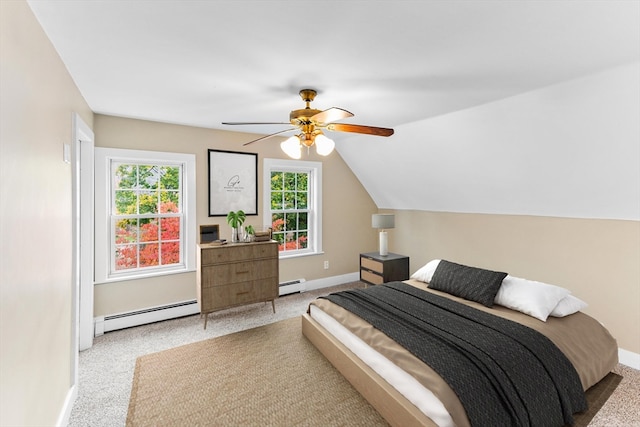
(155, 248)
(285, 243)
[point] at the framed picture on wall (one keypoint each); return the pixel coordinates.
(233, 182)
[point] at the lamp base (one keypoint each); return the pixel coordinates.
(384, 244)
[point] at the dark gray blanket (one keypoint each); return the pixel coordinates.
(504, 373)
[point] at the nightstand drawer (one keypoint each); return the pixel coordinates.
(376, 269)
(371, 277)
(371, 264)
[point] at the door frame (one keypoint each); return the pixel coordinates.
(83, 236)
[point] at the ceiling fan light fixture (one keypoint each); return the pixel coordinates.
(324, 145)
(291, 147)
(308, 122)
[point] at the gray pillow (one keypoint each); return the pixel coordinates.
(471, 283)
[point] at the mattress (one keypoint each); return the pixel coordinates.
(583, 340)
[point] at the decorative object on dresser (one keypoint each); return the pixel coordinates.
(209, 233)
(235, 220)
(236, 274)
(249, 233)
(383, 222)
(262, 236)
(376, 269)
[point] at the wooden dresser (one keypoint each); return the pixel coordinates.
(236, 274)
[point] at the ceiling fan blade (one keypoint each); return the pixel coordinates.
(369, 130)
(331, 115)
(256, 123)
(269, 136)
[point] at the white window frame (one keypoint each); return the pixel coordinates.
(314, 220)
(104, 248)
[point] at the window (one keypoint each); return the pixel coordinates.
(292, 202)
(145, 209)
(146, 215)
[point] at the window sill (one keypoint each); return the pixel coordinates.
(143, 276)
(290, 256)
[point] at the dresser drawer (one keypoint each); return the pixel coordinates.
(240, 252)
(220, 297)
(371, 264)
(371, 277)
(235, 272)
(227, 253)
(265, 251)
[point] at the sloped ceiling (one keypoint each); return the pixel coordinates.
(391, 63)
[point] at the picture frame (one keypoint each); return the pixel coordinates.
(233, 182)
(209, 233)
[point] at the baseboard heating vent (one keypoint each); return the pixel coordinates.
(291, 287)
(149, 315)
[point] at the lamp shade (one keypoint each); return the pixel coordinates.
(383, 221)
(324, 145)
(291, 147)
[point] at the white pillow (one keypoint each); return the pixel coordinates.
(536, 299)
(568, 305)
(425, 273)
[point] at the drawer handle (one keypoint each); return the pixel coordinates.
(242, 293)
(242, 272)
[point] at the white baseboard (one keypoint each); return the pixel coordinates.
(327, 282)
(629, 358)
(65, 412)
(114, 322)
(291, 287)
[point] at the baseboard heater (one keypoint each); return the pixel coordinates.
(130, 319)
(291, 287)
(142, 317)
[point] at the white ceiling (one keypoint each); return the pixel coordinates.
(389, 62)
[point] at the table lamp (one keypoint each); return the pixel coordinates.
(383, 222)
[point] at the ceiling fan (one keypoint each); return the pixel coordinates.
(311, 122)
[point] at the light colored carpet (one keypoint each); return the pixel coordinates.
(106, 370)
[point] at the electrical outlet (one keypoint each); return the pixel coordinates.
(326, 265)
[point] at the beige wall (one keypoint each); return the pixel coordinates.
(37, 102)
(347, 209)
(598, 260)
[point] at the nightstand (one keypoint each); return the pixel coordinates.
(376, 269)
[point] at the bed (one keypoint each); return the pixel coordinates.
(408, 391)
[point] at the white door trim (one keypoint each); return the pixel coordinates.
(83, 243)
(82, 249)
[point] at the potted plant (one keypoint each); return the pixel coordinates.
(250, 233)
(235, 220)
